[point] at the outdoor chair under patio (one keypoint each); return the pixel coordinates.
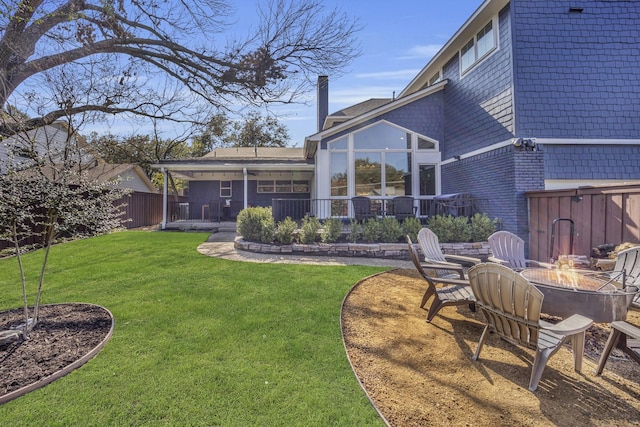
(511, 306)
(454, 291)
(403, 208)
(508, 249)
(362, 208)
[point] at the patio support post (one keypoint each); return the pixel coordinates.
(246, 185)
(165, 180)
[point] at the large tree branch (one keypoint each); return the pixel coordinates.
(145, 40)
(141, 109)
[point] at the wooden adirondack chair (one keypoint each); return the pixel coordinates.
(455, 291)
(508, 249)
(511, 306)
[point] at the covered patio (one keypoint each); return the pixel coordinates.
(227, 180)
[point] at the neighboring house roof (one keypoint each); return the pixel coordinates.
(53, 140)
(132, 176)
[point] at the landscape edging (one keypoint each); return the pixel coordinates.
(67, 369)
(363, 250)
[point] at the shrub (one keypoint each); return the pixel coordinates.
(268, 231)
(441, 226)
(371, 230)
(482, 227)
(411, 226)
(450, 229)
(331, 231)
(391, 230)
(355, 232)
(460, 229)
(286, 231)
(251, 221)
(310, 227)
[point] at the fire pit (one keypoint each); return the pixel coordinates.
(590, 294)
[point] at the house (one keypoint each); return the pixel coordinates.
(59, 145)
(526, 95)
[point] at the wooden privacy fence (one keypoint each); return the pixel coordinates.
(600, 215)
(143, 210)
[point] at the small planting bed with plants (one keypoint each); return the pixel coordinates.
(379, 237)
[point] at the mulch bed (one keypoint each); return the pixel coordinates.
(64, 334)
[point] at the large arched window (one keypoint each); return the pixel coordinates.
(382, 161)
(376, 161)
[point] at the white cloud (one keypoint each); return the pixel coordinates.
(425, 52)
(389, 75)
(347, 97)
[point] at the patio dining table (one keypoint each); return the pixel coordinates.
(567, 292)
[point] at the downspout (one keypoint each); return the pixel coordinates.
(246, 185)
(165, 198)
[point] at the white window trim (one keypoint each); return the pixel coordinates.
(478, 60)
(415, 152)
(275, 186)
(230, 188)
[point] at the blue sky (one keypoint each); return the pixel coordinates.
(398, 39)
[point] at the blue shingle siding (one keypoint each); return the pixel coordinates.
(424, 116)
(577, 75)
(592, 162)
(478, 106)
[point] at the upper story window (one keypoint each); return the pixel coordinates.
(478, 47)
(382, 137)
(434, 79)
(339, 144)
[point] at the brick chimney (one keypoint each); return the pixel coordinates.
(323, 100)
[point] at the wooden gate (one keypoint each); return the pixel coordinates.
(600, 215)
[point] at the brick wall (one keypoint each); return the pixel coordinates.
(498, 179)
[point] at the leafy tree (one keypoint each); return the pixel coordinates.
(45, 196)
(143, 150)
(252, 129)
(175, 60)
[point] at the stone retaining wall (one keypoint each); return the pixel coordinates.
(366, 250)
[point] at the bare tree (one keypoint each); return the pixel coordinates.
(163, 60)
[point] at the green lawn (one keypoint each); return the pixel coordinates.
(198, 340)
